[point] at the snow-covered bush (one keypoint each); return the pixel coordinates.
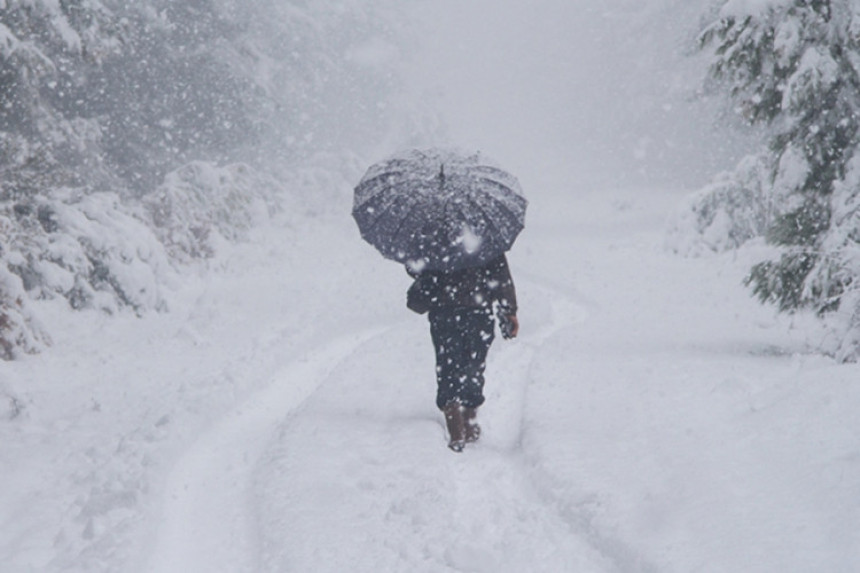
(19, 329)
(793, 67)
(99, 251)
(87, 248)
(201, 202)
(725, 214)
(106, 88)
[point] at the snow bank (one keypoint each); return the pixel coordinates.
(723, 215)
(89, 249)
(98, 251)
(19, 329)
(200, 203)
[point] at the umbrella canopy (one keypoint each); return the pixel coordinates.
(439, 209)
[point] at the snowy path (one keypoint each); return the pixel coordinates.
(363, 482)
(476, 512)
(206, 525)
(634, 427)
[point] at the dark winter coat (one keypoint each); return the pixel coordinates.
(475, 288)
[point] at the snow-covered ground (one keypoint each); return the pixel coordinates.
(651, 417)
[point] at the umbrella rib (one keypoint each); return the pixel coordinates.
(490, 221)
(380, 216)
(375, 190)
(507, 191)
(464, 217)
(404, 219)
(509, 194)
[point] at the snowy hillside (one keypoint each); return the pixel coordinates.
(278, 413)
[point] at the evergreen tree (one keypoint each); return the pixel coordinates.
(793, 66)
(116, 93)
(115, 113)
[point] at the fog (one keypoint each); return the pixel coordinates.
(608, 92)
(149, 100)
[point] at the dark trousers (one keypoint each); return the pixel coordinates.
(462, 337)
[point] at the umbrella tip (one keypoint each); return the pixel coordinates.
(442, 175)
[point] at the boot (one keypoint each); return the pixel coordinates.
(473, 430)
(456, 425)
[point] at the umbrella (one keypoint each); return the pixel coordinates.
(439, 209)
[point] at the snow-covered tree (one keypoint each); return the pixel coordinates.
(793, 66)
(106, 89)
(129, 127)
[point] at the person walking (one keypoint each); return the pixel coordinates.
(460, 306)
(449, 216)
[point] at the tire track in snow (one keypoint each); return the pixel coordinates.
(576, 513)
(208, 524)
(508, 391)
